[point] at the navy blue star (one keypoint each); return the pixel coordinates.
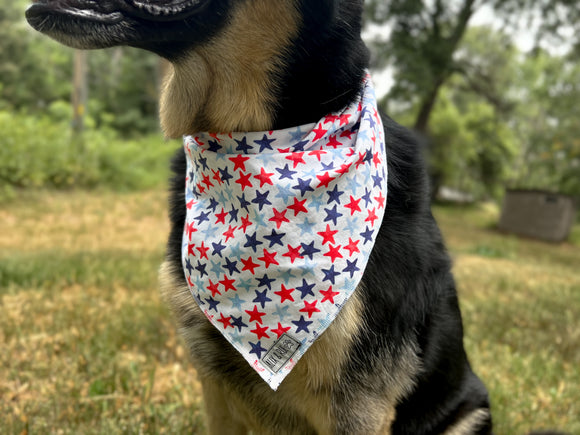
(252, 242)
(261, 199)
(286, 172)
(275, 238)
(305, 289)
(303, 186)
(237, 322)
(330, 274)
(213, 146)
(265, 280)
(233, 214)
(243, 145)
(328, 167)
(212, 204)
(231, 266)
(243, 202)
(351, 267)
(368, 156)
(191, 176)
(332, 215)
(262, 297)
(302, 324)
(367, 197)
(212, 303)
(334, 195)
(264, 143)
(225, 175)
(203, 162)
(257, 349)
(300, 145)
(201, 268)
(309, 250)
(202, 217)
(368, 235)
(218, 248)
(377, 179)
(188, 265)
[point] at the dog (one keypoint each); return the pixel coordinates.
(392, 361)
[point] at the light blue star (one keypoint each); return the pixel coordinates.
(236, 251)
(266, 157)
(211, 231)
(296, 135)
(352, 225)
(281, 312)
(259, 220)
(326, 321)
(245, 284)
(220, 156)
(316, 201)
(236, 337)
(216, 268)
(284, 193)
(221, 197)
(237, 302)
(311, 174)
(287, 275)
(308, 267)
(354, 185)
(305, 227)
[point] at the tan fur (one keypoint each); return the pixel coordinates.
(469, 424)
(228, 83)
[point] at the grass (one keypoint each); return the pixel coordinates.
(88, 347)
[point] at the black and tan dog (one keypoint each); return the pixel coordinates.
(393, 361)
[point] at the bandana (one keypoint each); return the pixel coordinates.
(279, 229)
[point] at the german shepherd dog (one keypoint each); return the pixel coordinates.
(393, 360)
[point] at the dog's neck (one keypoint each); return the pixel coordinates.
(258, 74)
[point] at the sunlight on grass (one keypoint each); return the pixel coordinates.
(89, 347)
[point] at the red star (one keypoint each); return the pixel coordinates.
(372, 216)
(249, 264)
(376, 159)
(213, 288)
(190, 229)
(347, 133)
(328, 235)
(280, 330)
(317, 153)
(203, 251)
(190, 282)
(310, 308)
(344, 168)
(229, 233)
(325, 179)
(228, 283)
(260, 332)
(264, 177)
(298, 206)
(245, 223)
(190, 249)
(226, 321)
(279, 217)
(320, 132)
(244, 180)
(352, 247)
(285, 294)
(332, 142)
(328, 295)
(200, 188)
(191, 204)
(269, 258)
(361, 159)
(344, 118)
(239, 162)
(330, 118)
(381, 200)
(221, 217)
(293, 253)
(296, 158)
(353, 205)
(255, 315)
(207, 181)
(333, 252)
(217, 176)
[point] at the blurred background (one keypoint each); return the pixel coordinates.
(86, 344)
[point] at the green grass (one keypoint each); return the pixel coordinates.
(87, 346)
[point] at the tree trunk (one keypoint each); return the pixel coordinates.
(422, 121)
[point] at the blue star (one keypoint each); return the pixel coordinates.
(252, 242)
(188, 265)
(231, 266)
(236, 337)
(351, 267)
(233, 214)
(367, 197)
(352, 225)
(203, 162)
(287, 275)
(216, 267)
(305, 289)
(303, 186)
(212, 204)
(282, 312)
(236, 251)
(222, 196)
(378, 180)
(309, 250)
(284, 193)
(368, 235)
(264, 143)
(308, 267)
(225, 175)
(259, 220)
(334, 195)
(329, 274)
(237, 302)
(302, 324)
(262, 298)
(212, 303)
(368, 156)
(316, 201)
(243, 203)
(237, 322)
(261, 199)
(305, 227)
(257, 349)
(245, 284)
(324, 323)
(332, 215)
(210, 231)
(354, 185)
(328, 167)
(201, 268)
(285, 172)
(275, 238)
(265, 280)
(296, 135)
(243, 145)
(213, 146)
(300, 145)
(202, 217)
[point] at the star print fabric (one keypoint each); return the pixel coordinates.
(279, 229)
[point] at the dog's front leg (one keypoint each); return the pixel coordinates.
(220, 418)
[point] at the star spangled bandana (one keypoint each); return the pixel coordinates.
(279, 229)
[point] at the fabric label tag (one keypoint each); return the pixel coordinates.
(280, 353)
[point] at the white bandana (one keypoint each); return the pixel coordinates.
(279, 229)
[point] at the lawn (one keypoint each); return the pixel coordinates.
(88, 347)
